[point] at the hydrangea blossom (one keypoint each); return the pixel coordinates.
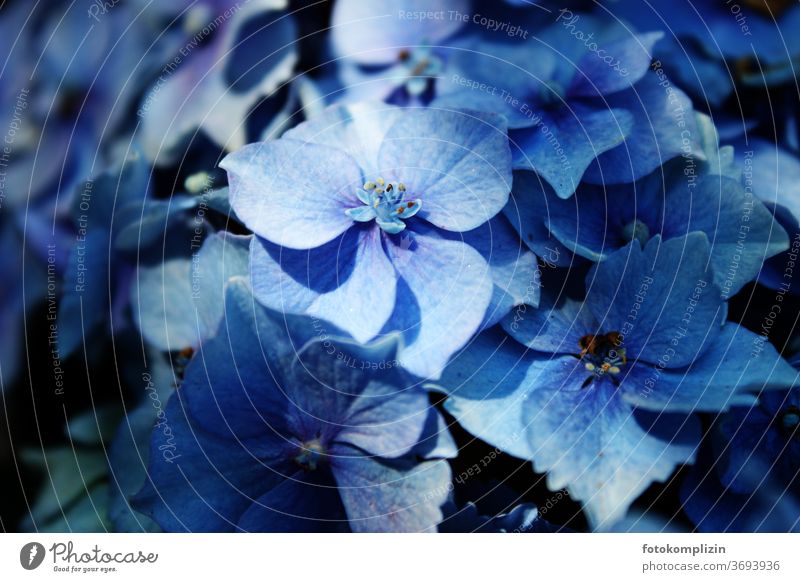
(601, 394)
(378, 219)
(269, 435)
(385, 53)
(683, 196)
(585, 108)
(756, 36)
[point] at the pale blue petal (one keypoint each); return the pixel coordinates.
(457, 162)
(565, 143)
(661, 299)
(357, 129)
(291, 193)
(446, 291)
(348, 282)
(732, 366)
(382, 497)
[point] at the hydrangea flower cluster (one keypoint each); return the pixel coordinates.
(400, 266)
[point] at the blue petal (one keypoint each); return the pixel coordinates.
(529, 219)
(234, 386)
(713, 508)
(297, 505)
(216, 86)
(565, 143)
(588, 440)
(294, 194)
(486, 383)
(631, 55)
(514, 269)
(553, 330)
(349, 281)
(601, 450)
(457, 162)
(447, 290)
(357, 395)
(356, 129)
(205, 483)
(496, 78)
(741, 231)
(381, 497)
(732, 365)
(179, 303)
(661, 299)
(663, 127)
(588, 224)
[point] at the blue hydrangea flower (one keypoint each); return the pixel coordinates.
(270, 432)
(762, 29)
(585, 107)
(684, 195)
(384, 53)
(232, 56)
(379, 219)
(601, 394)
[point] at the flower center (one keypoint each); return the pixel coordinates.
(636, 230)
(385, 204)
(310, 455)
(417, 68)
(789, 419)
(603, 355)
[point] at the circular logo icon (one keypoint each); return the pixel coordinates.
(31, 555)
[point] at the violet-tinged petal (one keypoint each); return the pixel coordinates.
(383, 497)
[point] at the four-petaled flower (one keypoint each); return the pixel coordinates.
(328, 200)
